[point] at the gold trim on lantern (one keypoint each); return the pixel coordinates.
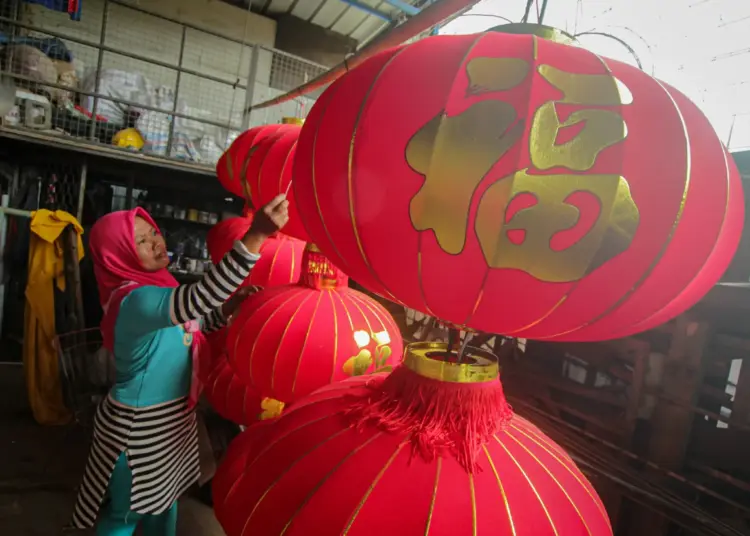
(482, 366)
(540, 30)
(292, 121)
(312, 247)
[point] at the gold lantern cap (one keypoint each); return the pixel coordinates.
(540, 30)
(292, 121)
(432, 360)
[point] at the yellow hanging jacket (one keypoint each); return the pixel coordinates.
(40, 358)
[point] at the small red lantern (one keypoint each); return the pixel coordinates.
(288, 341)
(231, 166)
(524, 187)
(431, 449)
(269, 173)
(280, 255)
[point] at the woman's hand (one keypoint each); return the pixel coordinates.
(266, 222)
(232, 304)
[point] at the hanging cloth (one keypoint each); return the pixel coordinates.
(71, 7)
(40, 359)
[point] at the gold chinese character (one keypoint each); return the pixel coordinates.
(610, 235)
(454, 153)
(601, 128)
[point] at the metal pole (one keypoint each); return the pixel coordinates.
(15, 212)
(173, 119)
(250, 89)
(82, 189)
(99, 60)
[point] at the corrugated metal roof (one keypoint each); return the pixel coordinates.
(335, 15)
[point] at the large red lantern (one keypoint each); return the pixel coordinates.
(288, 341)
(431, 449)
(231, 166)
(519, 186)
(280, 255)
(269, 173)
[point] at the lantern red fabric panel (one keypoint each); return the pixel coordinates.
(312, 468)
(524, 187)
(289, 341)
(280, 255)
(231, 166)
(269, 172)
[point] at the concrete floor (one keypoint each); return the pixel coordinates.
(40, 469)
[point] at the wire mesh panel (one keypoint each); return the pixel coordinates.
(278, 72)
(140, 81)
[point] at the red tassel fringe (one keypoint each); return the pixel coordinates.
(439, 416)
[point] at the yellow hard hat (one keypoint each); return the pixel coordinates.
(128, 138)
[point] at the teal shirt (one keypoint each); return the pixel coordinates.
(152, 356)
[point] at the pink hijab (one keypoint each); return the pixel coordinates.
(118, 272)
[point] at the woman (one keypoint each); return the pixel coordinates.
(145, 449)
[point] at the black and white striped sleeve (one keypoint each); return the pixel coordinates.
(191, 302)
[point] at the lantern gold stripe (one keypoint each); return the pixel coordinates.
(554, 478)
(566, 465)
(304, 343)
(431, 511)
(369, 491)
(322, 482)
(531, 485)
(287, 161)
(280, 477)
(473, 497)
(350, 178)
(276, 256)
(334, 364)
(502, 490)
(268, 447)
(280, 343)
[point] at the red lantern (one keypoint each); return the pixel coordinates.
(280, 255)
(231, 166)
(288, 341)
(523, 187)
(431, 449)
(269, 173)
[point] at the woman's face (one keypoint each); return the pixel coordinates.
(150, 245)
